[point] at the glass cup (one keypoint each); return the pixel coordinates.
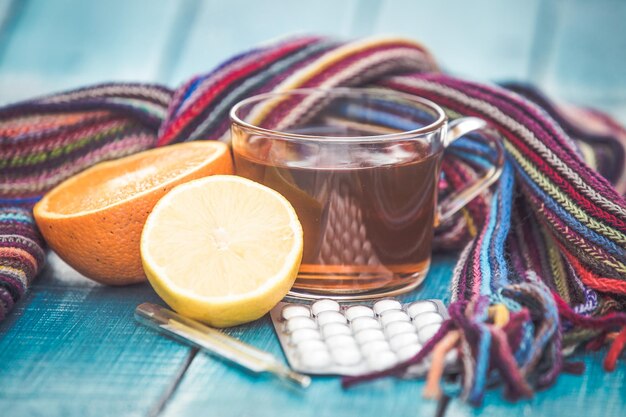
(361, 167)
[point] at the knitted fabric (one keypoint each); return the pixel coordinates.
(547, 246)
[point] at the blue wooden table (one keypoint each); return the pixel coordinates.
(72, 348)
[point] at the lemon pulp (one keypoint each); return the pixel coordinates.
(222, 249)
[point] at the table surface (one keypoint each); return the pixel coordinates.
(72, 348)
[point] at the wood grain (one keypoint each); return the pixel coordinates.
(72, 348)
(62, 44)
(213, 388)
(583, 60)
(484, 39)
(223, 29)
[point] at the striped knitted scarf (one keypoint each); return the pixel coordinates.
(543, 260)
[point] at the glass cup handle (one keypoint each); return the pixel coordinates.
(453, 203)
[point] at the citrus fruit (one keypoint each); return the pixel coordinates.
(93, 220)
(223, 250)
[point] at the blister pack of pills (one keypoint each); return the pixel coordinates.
(328, 338)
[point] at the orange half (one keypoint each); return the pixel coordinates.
(93, 220)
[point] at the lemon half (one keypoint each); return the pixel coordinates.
(223, 249)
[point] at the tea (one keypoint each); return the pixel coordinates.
(361, 168)
(366, 228)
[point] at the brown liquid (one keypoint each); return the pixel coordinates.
(366, 229)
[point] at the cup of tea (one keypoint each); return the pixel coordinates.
(361, 167)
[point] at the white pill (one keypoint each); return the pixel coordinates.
(346, 356)
(452, 357)
(300, 335)
(427, 332)
(327, 317)
(294, 310)
(340, 341)
(362, 323)
(407, 352)
(375, 346)
(297, 323)
(420, 307)
(368, 335)
(359, 311)
(391, 316)
(402, 340)
(316, 359)
(384, 305)
(333, 329)
(382, 360)
(427, 319)
(311, 344)
(324, 305)
(398, 327)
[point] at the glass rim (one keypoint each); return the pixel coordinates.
(388, 137)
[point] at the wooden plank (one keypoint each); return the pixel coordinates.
(8, 11)
(594, 394)
(481, 39)
(583, 60)
(365, 17)
(72, 348)
(222, 29)
(212, 388)
(60, 44)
